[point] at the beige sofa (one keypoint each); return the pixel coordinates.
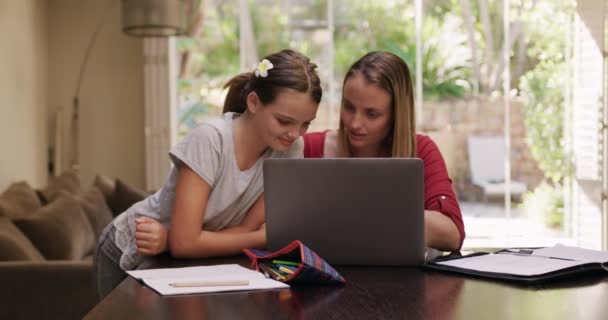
(47, 243)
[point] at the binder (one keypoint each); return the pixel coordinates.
(525, 265)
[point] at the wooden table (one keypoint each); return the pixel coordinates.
(371, 293)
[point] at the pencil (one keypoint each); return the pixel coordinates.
(210, 283)
(286, 269)
(273, 273)
(264, 272)
(287, 263)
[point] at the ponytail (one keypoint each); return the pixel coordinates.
(291, 70)
(236, 99)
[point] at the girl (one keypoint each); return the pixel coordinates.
(377, 120)
(212, 199)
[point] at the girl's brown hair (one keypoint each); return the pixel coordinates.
(291, 70)
(390, 73)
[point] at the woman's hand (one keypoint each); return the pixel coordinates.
(440, 231)
(150, 236)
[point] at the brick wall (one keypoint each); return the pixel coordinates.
(450, 122)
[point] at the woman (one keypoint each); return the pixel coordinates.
(377, 119)
(212, 198)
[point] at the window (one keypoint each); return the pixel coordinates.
(529, 195)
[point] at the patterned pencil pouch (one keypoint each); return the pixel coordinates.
(294, 264)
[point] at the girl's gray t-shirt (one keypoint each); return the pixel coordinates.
(209, 151)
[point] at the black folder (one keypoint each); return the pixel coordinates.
(581, 267)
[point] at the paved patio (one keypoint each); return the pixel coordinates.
(488, 226)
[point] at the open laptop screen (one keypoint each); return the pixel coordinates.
(351, 211)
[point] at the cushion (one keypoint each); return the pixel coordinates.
(105, 184)
(19, 200)
(68, 181)
(94, 205)
(60, 230)
(14, 245)
(124, 196)
(41, 197)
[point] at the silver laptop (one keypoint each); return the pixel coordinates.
(351, 211)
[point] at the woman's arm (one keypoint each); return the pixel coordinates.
(442, 212)
(440, 231)
(186, 240)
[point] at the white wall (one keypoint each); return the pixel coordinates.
(586, 140)
(111, 94)
(23, 91)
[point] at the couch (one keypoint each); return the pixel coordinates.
(47, 244)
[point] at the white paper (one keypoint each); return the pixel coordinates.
(522, 265)
(540, 261)
(573, 253)
(159, 279)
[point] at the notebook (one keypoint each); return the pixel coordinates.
(526, 265)
(351, 211)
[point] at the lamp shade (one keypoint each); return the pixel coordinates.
(154, 18)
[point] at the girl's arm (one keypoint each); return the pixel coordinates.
(440, 231)
(186, 240)
(253, 220)
(151, 236)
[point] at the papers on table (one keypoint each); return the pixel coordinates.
(573, 253)
(227, 274)
(512, 264)
(532, 262)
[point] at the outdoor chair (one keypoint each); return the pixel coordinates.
(486, 163)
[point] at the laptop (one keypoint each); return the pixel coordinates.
(350, 211)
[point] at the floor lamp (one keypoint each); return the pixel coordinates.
(140, 18)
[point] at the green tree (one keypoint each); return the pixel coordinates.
(542, 90)
(364, 26)
(542, 87)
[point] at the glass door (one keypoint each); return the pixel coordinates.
(499, 83)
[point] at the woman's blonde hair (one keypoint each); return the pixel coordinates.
(291, 70)
(388, 72)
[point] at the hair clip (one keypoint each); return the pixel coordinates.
(261, 69)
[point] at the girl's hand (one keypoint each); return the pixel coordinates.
(150, 236)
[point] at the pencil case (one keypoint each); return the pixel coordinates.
(294, 264)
